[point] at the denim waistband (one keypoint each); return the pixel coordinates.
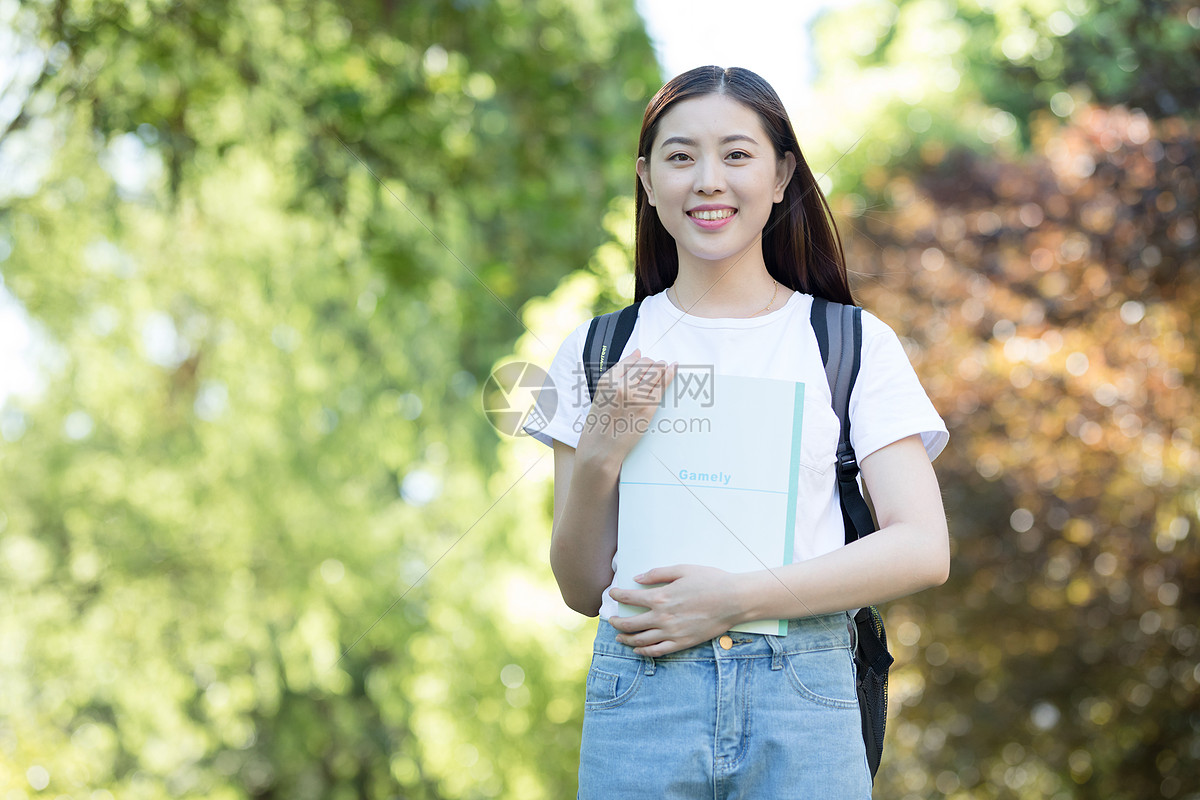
(822, 632)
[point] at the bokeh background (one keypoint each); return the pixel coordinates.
(258, 259)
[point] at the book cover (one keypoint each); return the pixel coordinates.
(713, 481)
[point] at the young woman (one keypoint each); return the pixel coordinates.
(734, 240)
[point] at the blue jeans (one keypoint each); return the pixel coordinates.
(755, 716)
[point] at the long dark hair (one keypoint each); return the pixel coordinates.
(800, 242)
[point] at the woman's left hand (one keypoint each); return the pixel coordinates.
(693, 605)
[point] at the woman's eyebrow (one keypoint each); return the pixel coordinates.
(683, 140)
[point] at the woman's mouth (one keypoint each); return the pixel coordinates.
(712, 218)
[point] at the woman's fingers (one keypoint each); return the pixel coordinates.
(634, 366)
(647, 371)
(669, 373)
(638, 377)
(626, 399)
(641, 638)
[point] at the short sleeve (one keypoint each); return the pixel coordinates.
(563, 401)
(888, 402)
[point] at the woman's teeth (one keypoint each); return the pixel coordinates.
(723, 213)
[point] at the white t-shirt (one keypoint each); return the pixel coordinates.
(887, 404)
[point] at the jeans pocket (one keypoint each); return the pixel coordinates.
(612, 680)
(825, 677)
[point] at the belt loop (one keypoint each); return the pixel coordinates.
(649, 662)
(853, 628)
(776, 651)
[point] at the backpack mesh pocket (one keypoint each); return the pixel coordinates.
(872, 659)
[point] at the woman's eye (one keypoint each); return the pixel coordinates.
(739, 153)
(677, 156)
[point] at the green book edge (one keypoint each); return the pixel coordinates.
(789, 533)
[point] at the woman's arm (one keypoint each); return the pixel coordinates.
(584, 537)
(910, 552)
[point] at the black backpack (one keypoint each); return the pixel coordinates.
(838, 328)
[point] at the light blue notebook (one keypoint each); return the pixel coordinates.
(713, 481)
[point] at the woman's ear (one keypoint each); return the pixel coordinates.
(643, 173)
(783, 176)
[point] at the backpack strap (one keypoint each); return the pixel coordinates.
(606, 339)
(839, 335)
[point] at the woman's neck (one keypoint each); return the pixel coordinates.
(731, 288)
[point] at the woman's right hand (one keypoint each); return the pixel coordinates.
(627, 396)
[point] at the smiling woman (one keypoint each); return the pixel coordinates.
(720, 141)
(713, 191)
(734, 244)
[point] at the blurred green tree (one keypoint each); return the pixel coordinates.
(977, 74)
(276, 248)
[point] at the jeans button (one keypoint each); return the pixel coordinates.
(726, 641)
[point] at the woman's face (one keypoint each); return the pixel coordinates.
(713, 176)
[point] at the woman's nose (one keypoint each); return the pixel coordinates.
(709, 176)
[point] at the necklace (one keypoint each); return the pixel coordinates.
(755, 314)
